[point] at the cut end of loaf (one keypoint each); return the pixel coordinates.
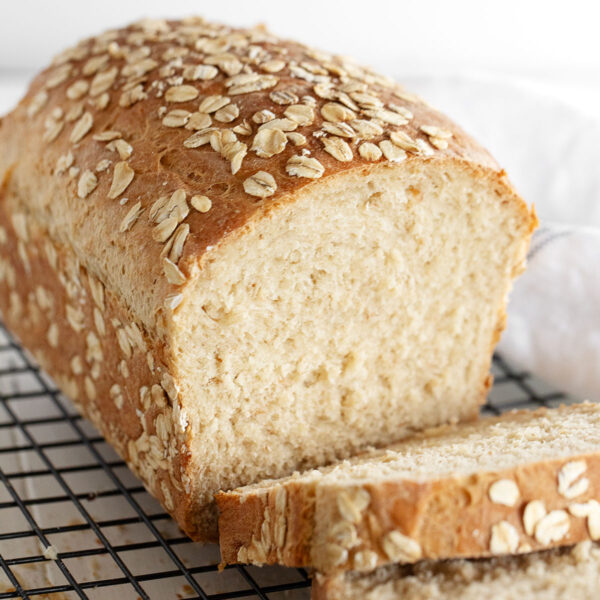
(350, 317)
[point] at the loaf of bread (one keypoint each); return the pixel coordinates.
(571, 573)
(511, 484)
(240, 256)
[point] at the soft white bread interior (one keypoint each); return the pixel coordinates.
(363, 311)
(515, 483)
(570, 573)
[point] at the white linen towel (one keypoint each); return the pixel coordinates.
(554, 310)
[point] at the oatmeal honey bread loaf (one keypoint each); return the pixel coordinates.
(570, 573)
(241, 257)
(511, 484)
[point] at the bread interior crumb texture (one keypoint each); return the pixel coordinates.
(349, 317)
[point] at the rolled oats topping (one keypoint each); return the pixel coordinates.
(199, 138)
(246, 83)
(263, 116)
(173, 273)
(268, 142)
(504, 539)
(107, 136)
(201, 203)
(344, 533)
(335, 555)
(370, 151)
(338, 148)
(434, 131)
(296, 138)
(591, 511)
(504, 491)
(365, 560)
(303, 166)
(78, 89)
(103, 81)
(300, 113)
(570, 481)
(273, 66)
(339, 129)
(38, 102)
(82, 127)
(336, 112)
(178, 242)
(352, 503)
(131, 217)
(122, 176)
(74, 112)
(131, 96)
(178, 118)
(392, 152)
(198, 121)
(227, 114)
(243, 128)
(366, 129)
(404, 141)
(283, 97)
(87, 184)
(534, 512)
(95, 64)
(401, 548)
(211, 104)
(123, 149)
(282, 124)
(200, 72)
(552, 527)
(261, 185)
(181, 93)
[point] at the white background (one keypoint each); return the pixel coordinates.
(555, 45)
(524, 35)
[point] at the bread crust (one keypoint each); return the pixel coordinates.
(448, 517)
(99, 355)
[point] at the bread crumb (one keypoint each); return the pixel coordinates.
(50, 553)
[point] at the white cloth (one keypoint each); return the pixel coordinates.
(554, 310)
(552, 154)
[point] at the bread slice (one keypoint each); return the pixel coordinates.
(520, 482)
(571, 573)
(241, 257)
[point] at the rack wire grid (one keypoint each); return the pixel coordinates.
(65, 490)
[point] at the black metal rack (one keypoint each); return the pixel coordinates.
(63, 487)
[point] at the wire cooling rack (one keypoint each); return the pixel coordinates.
(65, 490)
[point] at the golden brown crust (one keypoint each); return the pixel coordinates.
(450, 517)
(98, 354)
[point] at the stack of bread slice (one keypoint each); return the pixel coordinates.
(438, 515)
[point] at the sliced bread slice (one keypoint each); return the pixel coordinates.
(559, 574)
(512, 484)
